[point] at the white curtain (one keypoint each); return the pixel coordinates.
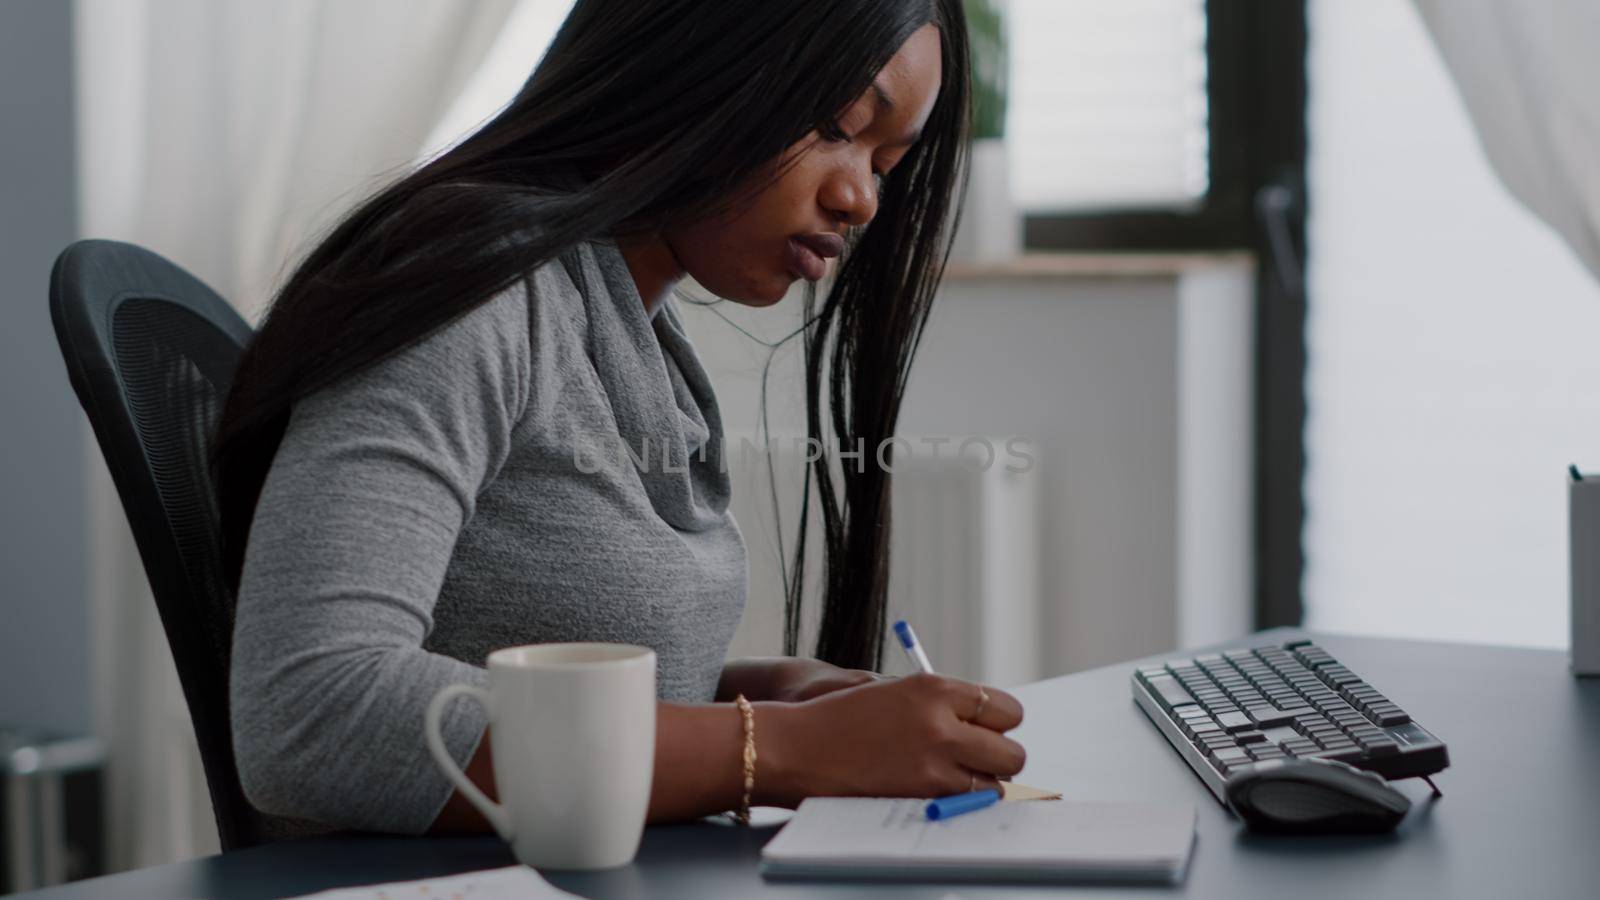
(1529, 73)
(225, 134)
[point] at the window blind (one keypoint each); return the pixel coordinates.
(1107, 106)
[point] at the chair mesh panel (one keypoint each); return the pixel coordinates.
(175, 369)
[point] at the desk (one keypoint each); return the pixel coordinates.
(1520, 816)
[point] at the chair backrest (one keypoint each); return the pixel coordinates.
(151, 351)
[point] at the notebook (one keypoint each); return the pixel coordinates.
(852, 838)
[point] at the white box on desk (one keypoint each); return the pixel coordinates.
(1583, 510)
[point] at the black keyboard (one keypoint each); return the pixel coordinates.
(1227, 712)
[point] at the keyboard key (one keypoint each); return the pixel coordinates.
(1230, 755)
(1231, 769)
(1268, 716)
(1168, 691)
(1280, 733)
(1249, 737)
(1392, 715)
(1305, 724)
(1380, 747)
(1234, 721)
(1342, 754)
(1340, 680)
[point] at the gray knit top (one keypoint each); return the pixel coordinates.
(547, 468)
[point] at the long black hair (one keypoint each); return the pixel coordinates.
(645, 114)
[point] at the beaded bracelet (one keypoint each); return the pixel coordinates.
(749, 714)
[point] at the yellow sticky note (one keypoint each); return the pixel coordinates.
(1010, 790)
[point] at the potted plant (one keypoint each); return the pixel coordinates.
(990, 226)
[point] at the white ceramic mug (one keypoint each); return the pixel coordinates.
(573, 728)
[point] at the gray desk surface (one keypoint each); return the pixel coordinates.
(1520, 816)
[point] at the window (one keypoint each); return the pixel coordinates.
(1108, 104)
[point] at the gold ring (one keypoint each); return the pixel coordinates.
(983, 702)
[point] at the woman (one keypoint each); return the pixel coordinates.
(403, 466)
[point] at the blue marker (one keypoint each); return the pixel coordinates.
(956, 804)
(913, 647)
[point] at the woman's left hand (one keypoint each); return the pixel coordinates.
(787, 679)
(797, 680)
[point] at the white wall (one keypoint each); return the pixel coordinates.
(44, 681)
(1453, 366)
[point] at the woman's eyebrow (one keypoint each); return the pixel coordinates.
(887, 105)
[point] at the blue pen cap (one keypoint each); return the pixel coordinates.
(903, 632)
(956, 804)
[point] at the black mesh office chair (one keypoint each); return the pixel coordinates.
(151, 351)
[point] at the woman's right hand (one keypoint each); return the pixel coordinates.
(917, 736)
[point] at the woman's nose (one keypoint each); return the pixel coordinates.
(850, 200)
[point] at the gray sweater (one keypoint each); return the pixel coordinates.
(467, 494)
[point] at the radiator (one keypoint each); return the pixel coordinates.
(964, 554)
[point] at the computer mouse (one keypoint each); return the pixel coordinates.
(1314, 796)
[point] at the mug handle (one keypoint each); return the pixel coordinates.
(494, 812)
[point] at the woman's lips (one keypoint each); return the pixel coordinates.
(805, 263)
(809, 254)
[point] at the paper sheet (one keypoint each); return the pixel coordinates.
(510, 883)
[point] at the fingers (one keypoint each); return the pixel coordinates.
(982, 782)
(1001, 711)
(990, 707)
(958, 780)
(982, 750)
